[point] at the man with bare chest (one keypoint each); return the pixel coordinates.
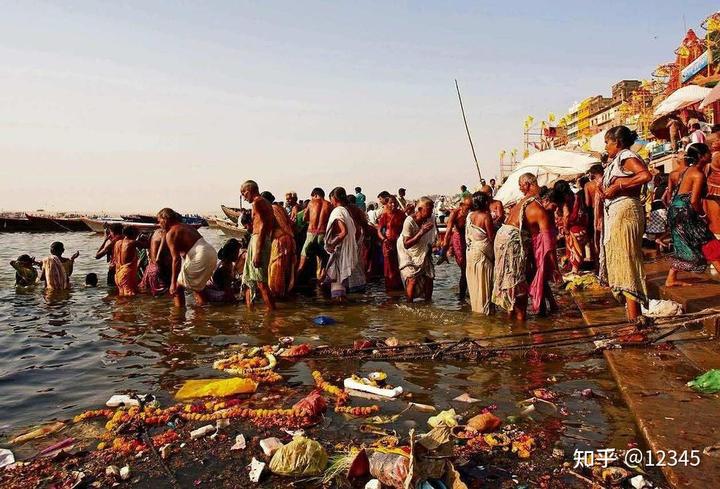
(255, 272)
(193, 259)
(318, 212)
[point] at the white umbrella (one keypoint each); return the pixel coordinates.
(548, 166)
(711, 97)
(681, 98)
(597, 143)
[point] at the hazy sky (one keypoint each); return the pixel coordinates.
(132, 106)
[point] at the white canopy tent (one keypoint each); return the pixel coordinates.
(548, 166)
(681, 98)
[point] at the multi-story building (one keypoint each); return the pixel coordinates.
(571, 122)
(623, 90)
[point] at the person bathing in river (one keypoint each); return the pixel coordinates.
(479, 235)
(255, 273)
(455, 238)
(415, 251)
(156, 278)
(283, 265)
(113, 233)
(514, 252)
(25, 273)
(56, 270)
(317, 214)
(344, 271)
(125, 259)
(497, 210)
(389, 229)
(220, 287)
(193, 259)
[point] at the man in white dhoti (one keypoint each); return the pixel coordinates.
(415, 251)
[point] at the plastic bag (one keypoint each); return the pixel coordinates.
(446, 418)
(216, 388)
(300, 457)
(391, 469)
(709, 382)
(484, 423)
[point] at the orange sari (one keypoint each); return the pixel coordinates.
(281, 272)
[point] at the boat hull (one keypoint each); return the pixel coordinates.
(231, 231)
(233, 213)
(57, 224)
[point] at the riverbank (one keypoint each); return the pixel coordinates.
(670, 415)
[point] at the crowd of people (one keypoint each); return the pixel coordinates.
(507, 255)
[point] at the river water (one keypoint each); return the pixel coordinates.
(62, 355)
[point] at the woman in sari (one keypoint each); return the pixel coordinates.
(479, 235)
(573, 217)
(389, 228)
(281, 271)
(624, 220)
(693, 243)
(220, 286)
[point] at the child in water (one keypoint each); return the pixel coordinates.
(25, 273)
(91, 280)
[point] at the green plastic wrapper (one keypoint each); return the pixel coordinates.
(300, 457)
(709, 382)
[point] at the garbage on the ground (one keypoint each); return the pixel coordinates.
(248, 361)
(446, 418)
(610, 475)
(125, 472)
(390, 467)
(53, 450)
(256, 469)
(300, 457)
(222, 423)
(712, 450)
(270, 446)
(373, 484)
(165, 451)
(366, 385)
(314, 404)
(296, 351)
(118, 400)
(215, 388)
(581, 282)
(324, 320)
(659, 308)
(240, 443)
(709, 382)
(38, 432)
(484, 423)
(200, 432)
(6, 457)
(639, 482)
(523, 446)
(423, 408)
(112, 471)
(293, 433)
(465, 397)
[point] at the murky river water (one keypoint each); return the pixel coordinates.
(63, 355)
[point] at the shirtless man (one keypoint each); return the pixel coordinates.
(455, 237)
(679, 167)
(316, 215)
(513, 250)
(712, 200)
(497, 210)
(125, 261)
(193, 259)
(255, 272)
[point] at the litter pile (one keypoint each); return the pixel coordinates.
(228, 417)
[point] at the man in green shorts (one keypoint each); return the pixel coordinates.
(316, 215)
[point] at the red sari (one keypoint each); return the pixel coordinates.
(576, 236)
(393, 224)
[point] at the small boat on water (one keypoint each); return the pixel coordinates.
(231, 230)
(57, 224)
(190, 219)
(13, 224)
(233, 213)
(99, 225)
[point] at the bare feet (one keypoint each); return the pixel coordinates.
(677, 283)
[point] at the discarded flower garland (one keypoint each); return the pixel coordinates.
(358, 411)
(341, 397)
(247, 362)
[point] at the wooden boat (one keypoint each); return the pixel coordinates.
(233, 213)
(231, 230)
(17, 225)
(140, 218)
(57, 224)
(212, 223)
(99, 225)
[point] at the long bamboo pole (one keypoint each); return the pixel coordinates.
(467, 130)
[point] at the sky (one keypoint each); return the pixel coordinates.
(133, 106)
